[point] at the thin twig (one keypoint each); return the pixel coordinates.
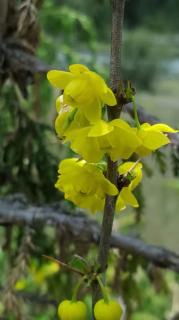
(115, 74)
(63, 264)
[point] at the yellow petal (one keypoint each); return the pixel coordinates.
(92, 111)
(92, 203)
(163, 127)
(129, 198)
(88, 148)
(67, 164)
(154, 140)
(109, 187)
(59, 79)
(78, 68)
(61, 124)
(120, 124)
(124, 143)
(59, 103)
(145, 126)
(109, 97)
(100, 128)
(78, 93)
(120, 205)
(142, 151)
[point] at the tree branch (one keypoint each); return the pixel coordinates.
(113, 113)
(115, 74)
(15, 210)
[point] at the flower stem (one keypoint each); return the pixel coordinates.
(76, 289)
(103, 290)
(63, 264)
(135, 113)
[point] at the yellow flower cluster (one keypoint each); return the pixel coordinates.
(80, 123)
(85, 185)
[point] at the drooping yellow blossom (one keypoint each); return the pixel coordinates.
(115, 138)
(126, 196)
(72, 310)
(152, 137)
(84, 184)
(83, 89)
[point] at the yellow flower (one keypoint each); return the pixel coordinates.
(46, 270)
(84, 184)
(107, 311)
(72, 310)
(83, 89)
(116, 138)
(152, 137)
(126, 196)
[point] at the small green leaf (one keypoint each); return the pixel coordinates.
(79, 263)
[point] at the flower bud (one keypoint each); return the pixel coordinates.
(72, 310)
(105, 311)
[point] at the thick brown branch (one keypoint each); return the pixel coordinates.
(80, 227)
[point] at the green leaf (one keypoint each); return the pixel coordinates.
(79, 263)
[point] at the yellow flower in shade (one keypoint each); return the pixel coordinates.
(45, 271)
(38, 275)
(152, 137)
(83, 89)
(68, 118)
(64, 117)
(126, 196)
(72, 310)
(84, 184)
(115, 138)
